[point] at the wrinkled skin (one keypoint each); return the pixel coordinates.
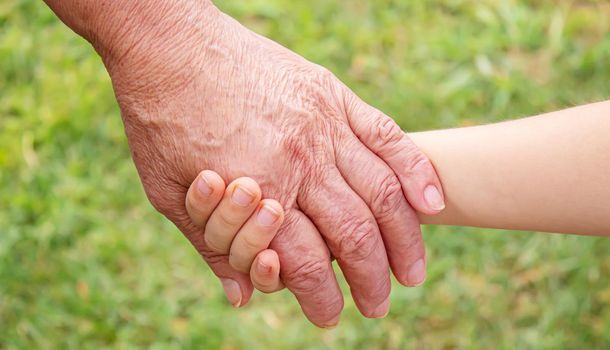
(210, 94)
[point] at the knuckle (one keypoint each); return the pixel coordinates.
(388, 198)
(359, 239)
(213, 242)
(239, 263)
(328, 91)
(415, 161)
(308, 277)
(323, 74)
(228, 219)
(250, 244)
(315, 176)
(386, 133)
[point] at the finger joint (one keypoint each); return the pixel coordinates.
(308, 277)
(388, 198)
(358, 241)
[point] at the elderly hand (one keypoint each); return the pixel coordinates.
(199, 91)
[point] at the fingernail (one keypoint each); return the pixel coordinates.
(204, 186)
(232, 291)
(242, 197)
(434, 198)
(417, 273)
(382, 310)
(267, 216)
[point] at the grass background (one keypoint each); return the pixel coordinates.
(85, 262)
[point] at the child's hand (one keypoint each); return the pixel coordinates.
(238, 223)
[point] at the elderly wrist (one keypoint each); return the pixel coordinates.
(133, 29)
(124, 32)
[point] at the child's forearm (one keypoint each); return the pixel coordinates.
(547, 173)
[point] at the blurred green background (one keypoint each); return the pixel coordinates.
(86, 263)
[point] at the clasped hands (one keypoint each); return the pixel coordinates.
(199, 91)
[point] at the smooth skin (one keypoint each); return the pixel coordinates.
(237, 221)
(549, 173)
